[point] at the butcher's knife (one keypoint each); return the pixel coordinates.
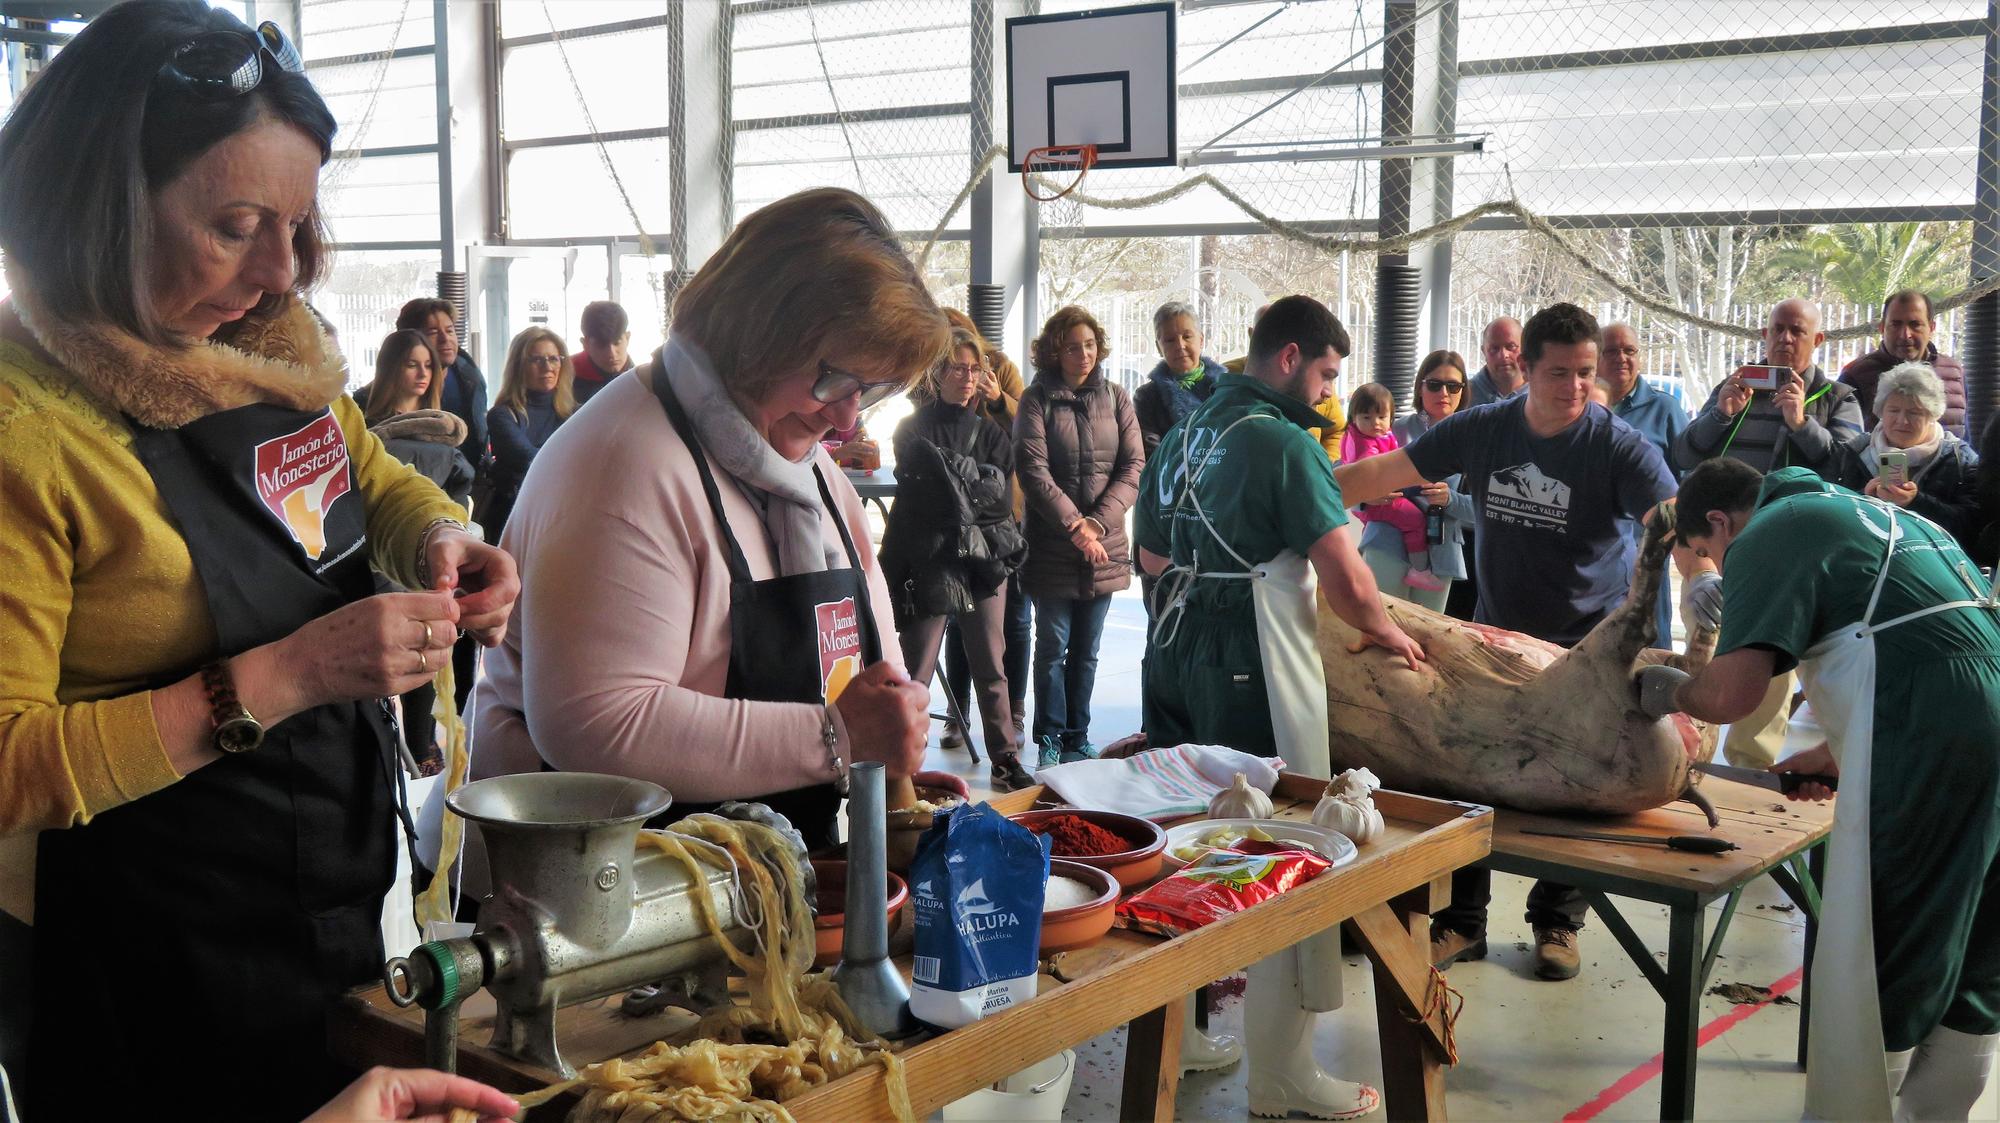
(1694, 843)
(1785, 782)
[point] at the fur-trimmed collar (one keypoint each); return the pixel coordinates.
(280, 356)
(434, 425)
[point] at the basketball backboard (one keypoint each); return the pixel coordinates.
(1103, 77)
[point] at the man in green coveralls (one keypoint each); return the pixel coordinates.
(1262, 489)
(1894, 635)
(1238, 510)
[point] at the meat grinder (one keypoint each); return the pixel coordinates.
(578, 911)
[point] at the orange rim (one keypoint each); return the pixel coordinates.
(1082, 157)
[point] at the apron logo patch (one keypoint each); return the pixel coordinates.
(299, 477)
(838, 624)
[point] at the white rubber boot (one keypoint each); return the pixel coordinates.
(1284, 1077)
(1899, 1067)
(1946, 1076)
(1202, 1053)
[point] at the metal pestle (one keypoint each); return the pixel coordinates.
(868, 982)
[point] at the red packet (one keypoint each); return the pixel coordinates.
(1219, 883)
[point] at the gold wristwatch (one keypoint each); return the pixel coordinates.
(236, 731)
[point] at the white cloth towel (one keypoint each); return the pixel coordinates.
(1158, 784)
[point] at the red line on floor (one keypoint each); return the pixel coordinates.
(1637, 1078)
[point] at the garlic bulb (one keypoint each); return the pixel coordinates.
(1348, 806)
(1240, 801)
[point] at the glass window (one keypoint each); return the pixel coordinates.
(1492, 29)
(533, 17)
(911, 169)
(642, 288)
(382, 199)
(562, 191)
(362, 295)
(382, 102)
(623, 78)
(331, 28)
(1808, 129)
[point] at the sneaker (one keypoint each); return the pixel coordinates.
(1424, 580)
(1008, 775)
(953, 736)
(1051, 751)
(1084, 751)
(1555, 954)
(1449, 946)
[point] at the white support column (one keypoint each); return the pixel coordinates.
(703, 161)
(1435, 111)
(471, 118)
(1006, 244)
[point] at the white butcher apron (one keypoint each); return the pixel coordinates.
(1846, 1072)
(1284, 594)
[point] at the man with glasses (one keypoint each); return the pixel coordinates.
(1656, 415)
(1803, 422)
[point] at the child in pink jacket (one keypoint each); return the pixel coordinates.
(1368, 434)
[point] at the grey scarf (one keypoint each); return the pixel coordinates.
(787, 491)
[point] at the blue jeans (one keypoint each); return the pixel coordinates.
(1066, 633)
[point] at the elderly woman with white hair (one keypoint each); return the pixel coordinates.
(1911, 460)
(1181, 380)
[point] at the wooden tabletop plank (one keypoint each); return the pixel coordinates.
(1765, 826)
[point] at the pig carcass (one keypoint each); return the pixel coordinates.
(1496, 717)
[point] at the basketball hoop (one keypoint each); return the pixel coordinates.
(1053, 161)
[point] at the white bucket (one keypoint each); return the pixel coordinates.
(1035, 1094)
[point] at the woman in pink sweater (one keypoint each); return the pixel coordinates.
(701, 606)
(1368, 434)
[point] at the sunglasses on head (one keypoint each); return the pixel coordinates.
(1444, 385)
(224, 64)
(835, 385)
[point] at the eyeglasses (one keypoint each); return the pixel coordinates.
(1444, 386)
(224, 64)
(964, 369)
(835, 385)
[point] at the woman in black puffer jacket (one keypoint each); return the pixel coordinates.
(951, 544)
(1940, 470)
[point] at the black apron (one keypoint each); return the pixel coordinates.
(190, 943)
(788, 636)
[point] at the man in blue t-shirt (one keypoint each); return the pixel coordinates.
(1558, 483)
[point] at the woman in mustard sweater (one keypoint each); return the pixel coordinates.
(190, 698)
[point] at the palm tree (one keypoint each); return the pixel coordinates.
(1864, 263)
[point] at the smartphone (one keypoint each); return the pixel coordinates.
(1893, 468)
(1757, 377)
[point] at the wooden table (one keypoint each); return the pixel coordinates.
(1387, 894)
(1774, 836)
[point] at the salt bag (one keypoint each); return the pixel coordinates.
(976, 889)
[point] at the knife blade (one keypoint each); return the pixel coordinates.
(1783, 782)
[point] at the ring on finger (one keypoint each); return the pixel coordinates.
(427, 632)
(424, 660)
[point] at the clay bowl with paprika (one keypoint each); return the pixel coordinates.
(1140, 845)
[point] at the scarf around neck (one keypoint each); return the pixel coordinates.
(787, 492)
(1921, 455)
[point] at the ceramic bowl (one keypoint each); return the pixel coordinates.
(1133, 867)
(907, 827)
(1084, 924)
(830, 905)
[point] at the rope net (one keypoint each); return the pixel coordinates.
(1679, 164)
